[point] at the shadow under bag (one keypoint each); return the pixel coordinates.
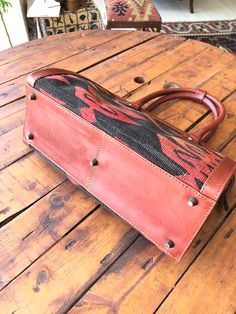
(162, 181)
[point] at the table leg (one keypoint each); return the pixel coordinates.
(191, 5)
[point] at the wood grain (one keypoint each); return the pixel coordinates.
(127, 42)
(32, 47)
(12, 116)
(15, 88)
(47, 221)
(70, 266)
(208, 283)
(25, 182)
(84, 41)
(163, 62)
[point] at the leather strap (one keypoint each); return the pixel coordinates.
(200, 96)
(33, 77)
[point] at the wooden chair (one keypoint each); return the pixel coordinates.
(191, 6)
(139, 14)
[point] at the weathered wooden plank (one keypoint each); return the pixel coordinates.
(15, 88)
(32, 47)
(66, 270)
(212, 64)
(24, 182)
(148, 69)
(152, 278)
(230, 149)
(218, 81)
(209, 284)
(113, 68)
(12, 143)
(12, 90)
(12, 116)
(48, 220)
(85, 41)
(85, 59)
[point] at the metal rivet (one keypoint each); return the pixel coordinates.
(93, 162)
(32, 96)
(192, 201)
(30, 136)
(169, 244)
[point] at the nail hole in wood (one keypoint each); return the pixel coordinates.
(139, 79)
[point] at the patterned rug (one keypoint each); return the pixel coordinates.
(217, 33)
(211, 28)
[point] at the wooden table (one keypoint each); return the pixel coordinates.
(59, 250)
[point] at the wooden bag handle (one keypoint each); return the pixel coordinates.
(200, 96)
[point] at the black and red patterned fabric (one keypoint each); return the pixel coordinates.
(156, 141)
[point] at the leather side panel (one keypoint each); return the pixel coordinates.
(219, 178)
(151, 200)
(60, 138)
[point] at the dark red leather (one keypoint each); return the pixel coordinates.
(199, 96)
(33, 77)
(218, 179)
(150, 199)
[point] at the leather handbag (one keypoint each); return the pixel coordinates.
(162, 181)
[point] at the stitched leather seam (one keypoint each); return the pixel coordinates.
(207, 183)
(26, 115)
(225, 181)
(196, 229)
(127, 148)
(210, 177)
(99, 149)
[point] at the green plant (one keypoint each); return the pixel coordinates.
(4, 5)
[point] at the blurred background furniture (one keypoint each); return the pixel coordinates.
(74, 15)
(191, 5)
(140, 14)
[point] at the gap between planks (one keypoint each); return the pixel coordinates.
(26, 49)
(22, 82)
(91, 47)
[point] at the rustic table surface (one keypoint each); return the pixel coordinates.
(61, 252)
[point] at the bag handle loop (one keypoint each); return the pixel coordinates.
(200, 96)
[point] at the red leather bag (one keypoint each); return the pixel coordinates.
(162, 181)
